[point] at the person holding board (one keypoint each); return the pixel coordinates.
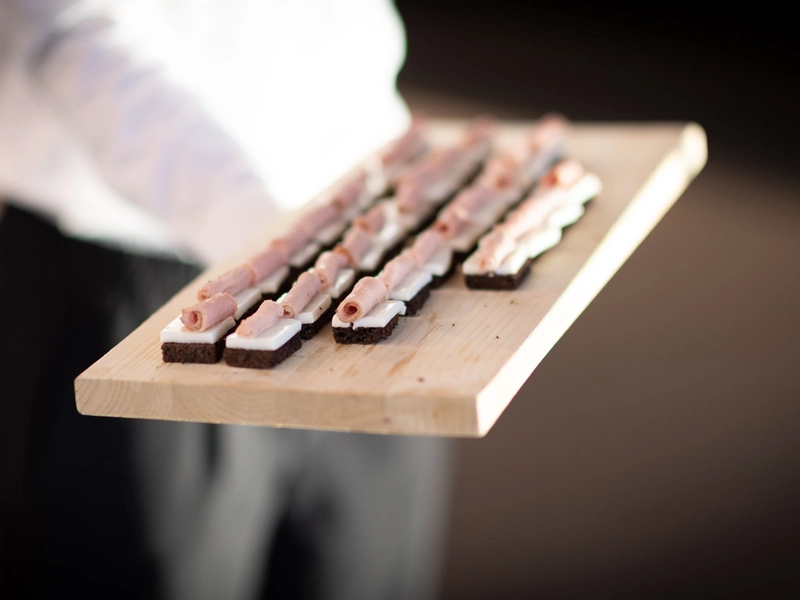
(140, 141)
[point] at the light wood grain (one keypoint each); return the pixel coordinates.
(452, 370)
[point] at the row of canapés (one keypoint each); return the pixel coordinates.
(426, 184)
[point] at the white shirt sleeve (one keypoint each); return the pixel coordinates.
(107, 68)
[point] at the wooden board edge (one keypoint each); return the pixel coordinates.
(454, 416)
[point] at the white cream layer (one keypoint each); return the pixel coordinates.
(245, 301)
(510, 265)
(495, 209)
(377, 181)
(411, 285)
(272, 282)
(314, 309)
(302, 257)
(331, 232)
(587, 188)
(270, 339)
(390, 211)
(372, 258)
(174, 332)
(410, 222)
(312, 306)
(343, 282)
(467, 239)
(389, 236)
(439, 263)
(529, 246)
(378, 317)
(391, 233)
(540, 241)
(565, 216)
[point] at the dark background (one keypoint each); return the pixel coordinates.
(733, 69)
(654, 452)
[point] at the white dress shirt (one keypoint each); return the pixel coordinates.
(181, 126)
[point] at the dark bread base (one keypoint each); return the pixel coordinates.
(364, 335)
(309, 330)
(261, 359)
(414, 305)
(492, 281)
(174, 352)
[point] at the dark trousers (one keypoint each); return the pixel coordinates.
(116, 508)
(70, 512)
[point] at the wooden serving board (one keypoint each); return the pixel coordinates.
(450, 371)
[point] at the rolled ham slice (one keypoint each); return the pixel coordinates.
(434, 165)
(282, 247)
(451, 224)
(349, 190)
(413, 190)
(366, 295)
(319, 218)
(265, 317)
(409, 197)
(297, 238)
(233, 282)
(372, 221)
(530, 215)
(479, 131)
(209, 312)
(501, 172)
(493, 248)
(355, 243)
(533, 212)
(471, 200)
(404, 148)
(565, 174)
(396, 270)
(425, 245)
(305, 288)
(328, 266)
(264, 263)
(550, 131)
